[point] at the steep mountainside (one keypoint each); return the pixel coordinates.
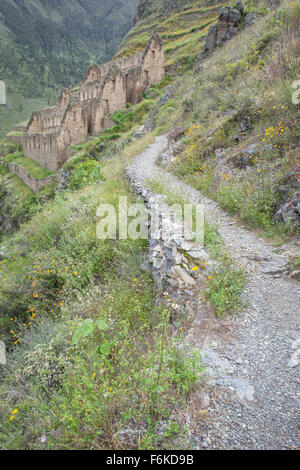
(182, 26)
(126, 344)
(236, 104)
(46, 45)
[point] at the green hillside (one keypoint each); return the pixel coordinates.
(99, 356)
(182, 26)
(45, 46)
(235, 106)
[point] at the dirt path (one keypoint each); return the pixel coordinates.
(251, 400)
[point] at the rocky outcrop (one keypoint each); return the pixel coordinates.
(230, 20)
(176, 134)
(250, 18)
(289, 190)
(290, 211)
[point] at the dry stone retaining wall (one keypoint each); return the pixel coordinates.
(171, 261)
(33, 183)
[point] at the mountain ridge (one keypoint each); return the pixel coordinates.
(48, 45)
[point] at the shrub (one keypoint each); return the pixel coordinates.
(255, 206)
(86, 173)
(225, 287)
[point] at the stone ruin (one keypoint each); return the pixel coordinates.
(85, 111)
(173, 256)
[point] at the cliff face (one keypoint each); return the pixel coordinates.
(45, 45)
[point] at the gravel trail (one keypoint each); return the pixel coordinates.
(251, 399)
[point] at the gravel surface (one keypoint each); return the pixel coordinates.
(251, 397)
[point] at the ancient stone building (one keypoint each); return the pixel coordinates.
(86, 111)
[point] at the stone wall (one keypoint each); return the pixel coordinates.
(32, 183)
(18, 128)
(153, 58)
(172, 261)
(96, 72)
(85, 111)
(73, 128)
(43, 149)
(48, 120)
(16, 139)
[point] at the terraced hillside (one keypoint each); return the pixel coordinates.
(182, 26)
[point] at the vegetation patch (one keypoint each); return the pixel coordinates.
(94, 351)
(86, 173)
(242, 143)
(33, 167)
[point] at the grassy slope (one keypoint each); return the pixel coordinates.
(255, 72)
(248, 80)
(181, 30)
(120, 370)
(33, 168)
(48, 45)
(17, 202)
(66, 284)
